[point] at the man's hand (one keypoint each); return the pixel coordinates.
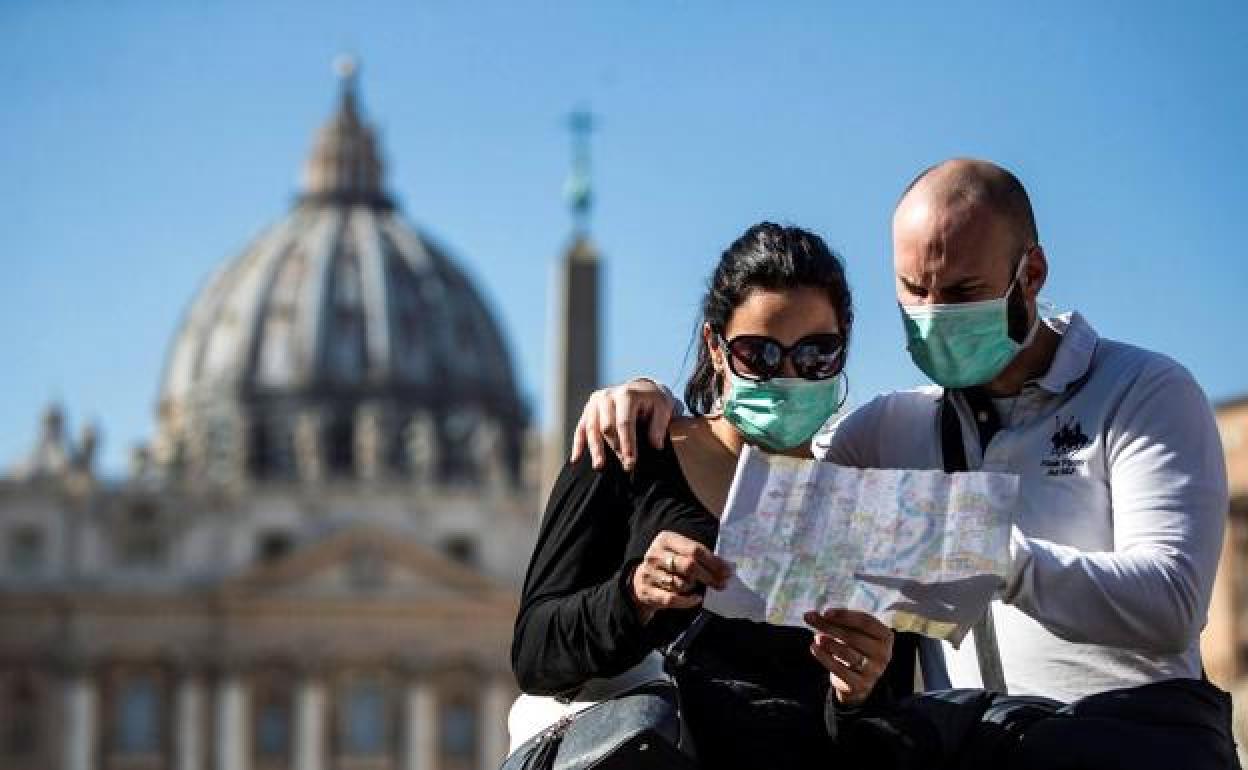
(854, 647)
(610, 416)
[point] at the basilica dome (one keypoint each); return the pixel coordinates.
(341, 342)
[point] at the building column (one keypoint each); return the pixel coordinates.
(420, 726)
(372, 441)
(310, 446)
(495, 704)
(232, 748)
(189, 716)
(78, 752)
(309, 748)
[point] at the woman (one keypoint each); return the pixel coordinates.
(622, 559)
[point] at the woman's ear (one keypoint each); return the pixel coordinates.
(715, 352)
(712, 347)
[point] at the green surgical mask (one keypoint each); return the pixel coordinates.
(783, 412)
(963, 344)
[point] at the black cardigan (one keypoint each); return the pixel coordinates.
(577, 620)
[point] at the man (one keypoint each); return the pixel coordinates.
(1123, 488)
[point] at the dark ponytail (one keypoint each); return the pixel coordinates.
(770, 257)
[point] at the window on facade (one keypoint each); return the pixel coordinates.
(458, 730)
(270, 451)
(21, 719)
(143, 515)
(340, 447)
(272, 546)
(146, 549)
(259, 451)
(1237, 532)
(462, 548)
(363, 719)
(26, 550)
(138, 716)
(273, 727)
(142, 542)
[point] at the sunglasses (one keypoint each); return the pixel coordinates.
(759, 358)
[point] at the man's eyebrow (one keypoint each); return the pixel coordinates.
(970, 283)
(909, 284)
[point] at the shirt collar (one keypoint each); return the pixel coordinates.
(1073, 358)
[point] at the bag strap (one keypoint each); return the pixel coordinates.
(674, 654)
(674, 657)
(953, 451)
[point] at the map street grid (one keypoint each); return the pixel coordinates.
(922, 551)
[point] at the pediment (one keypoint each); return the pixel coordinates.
(364, 563)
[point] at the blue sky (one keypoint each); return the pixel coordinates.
(144, 143)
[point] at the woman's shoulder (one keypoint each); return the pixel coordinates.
(664, 469)
(656, 461)
(684, 425)
(692, 441)
(653, 464)
(585, 500)
(579, 480)
(581, 471)
(688, 427)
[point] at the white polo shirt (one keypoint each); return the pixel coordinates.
(1122, 508)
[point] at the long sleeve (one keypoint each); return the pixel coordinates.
(576, 619)
(1169, 497)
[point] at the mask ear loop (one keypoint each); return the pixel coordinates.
(717, 406)
(1039, 319)
(833, 418)
(844, 391)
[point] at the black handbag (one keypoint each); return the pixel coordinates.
(640, 728)
(636, 729)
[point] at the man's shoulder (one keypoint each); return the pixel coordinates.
(1129, 365)
(920, 399)
(885, 408)
(872, 435)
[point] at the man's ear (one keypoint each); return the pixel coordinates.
(1035, 273)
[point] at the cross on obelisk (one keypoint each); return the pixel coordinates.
(579, 189)
(576, 306)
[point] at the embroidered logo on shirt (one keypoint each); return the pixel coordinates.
(1068, 439)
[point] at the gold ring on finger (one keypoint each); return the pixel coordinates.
(862, 664)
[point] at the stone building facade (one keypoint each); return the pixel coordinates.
(315, 564)
(1224, 643)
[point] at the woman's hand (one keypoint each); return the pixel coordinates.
(610, 419)
(672, 567)
(854, 647)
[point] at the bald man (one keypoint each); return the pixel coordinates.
(1123, 487)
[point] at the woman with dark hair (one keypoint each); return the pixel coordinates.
(623, 558)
